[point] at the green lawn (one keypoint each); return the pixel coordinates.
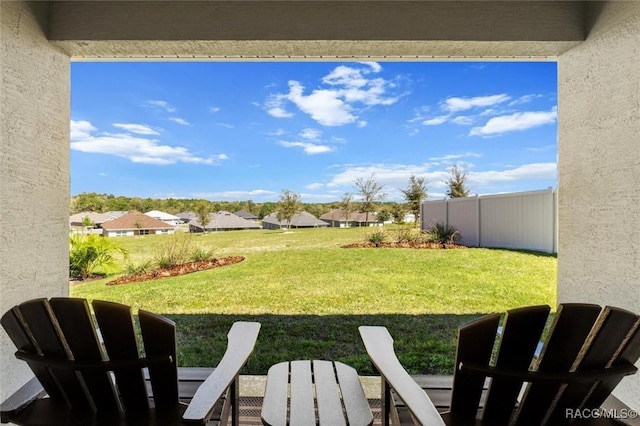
(311, 295)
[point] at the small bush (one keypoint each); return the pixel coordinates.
(199, 254)
(175, 250)
(377, 237)
(134, 269)
(409, 234)
(88, 253)
(443, 234)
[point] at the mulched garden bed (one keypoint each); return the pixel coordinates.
(404, 245)
(185, 268)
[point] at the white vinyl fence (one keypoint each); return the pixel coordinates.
(520, 220)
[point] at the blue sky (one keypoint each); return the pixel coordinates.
(248, 130)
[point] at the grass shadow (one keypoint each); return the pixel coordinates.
(425, 344)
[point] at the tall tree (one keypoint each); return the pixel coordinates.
(371, 191)
(346, 204)
(457, 182)
(414, 194)
(203, 209)
(288, 206)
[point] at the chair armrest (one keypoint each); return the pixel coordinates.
(31, 391)
(241, 340)
(379, 345)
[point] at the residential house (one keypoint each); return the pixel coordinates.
(300, 220)
(222, 221)
(187, 216)
(247, 215)
(77, 220)
(165, 217)
(336, 218)
(135, 223)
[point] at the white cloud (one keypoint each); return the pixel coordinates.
(136, 149)
(533, 171)
(161, 104)
(436, 120)
(451, 157)
(235, 194)
(348, 89)
(463, 120)
(515, 122)
(310, 134)
(274, 106)
(179, 121)
(309, 148)
(456, 104)
(324, 106)
(315, 186)
(228, 126)
(140, 129)
(214, 109)
(81, 129)
(524, 99)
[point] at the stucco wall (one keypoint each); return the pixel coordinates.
(599, 174)
(34, 169)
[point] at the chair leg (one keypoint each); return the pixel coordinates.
(385, 401)
(235, 401)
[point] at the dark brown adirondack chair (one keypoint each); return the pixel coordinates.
(586, 353)
(97, 376)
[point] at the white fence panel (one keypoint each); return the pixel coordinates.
(433, 212)
(521, 220)
(463, 212)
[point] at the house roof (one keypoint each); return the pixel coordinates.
(135, 220)
(225, 220)
(300, 220)
(187, 215)
(157, 214)
(246, 215)
(94, 217)
(337, 215)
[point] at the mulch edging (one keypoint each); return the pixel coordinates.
(185, 268)
(435, 246)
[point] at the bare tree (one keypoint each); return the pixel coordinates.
(457, 182)
(414, 194)
(288, 206)
(371, 192)
(346, 204)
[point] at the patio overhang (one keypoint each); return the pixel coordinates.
(596, 45)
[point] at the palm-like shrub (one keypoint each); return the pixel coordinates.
(444, 234)
(377, 237)
(87, 253)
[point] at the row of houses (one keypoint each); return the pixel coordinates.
(122, 223)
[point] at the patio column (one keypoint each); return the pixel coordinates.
(34, 169)
(599, 158)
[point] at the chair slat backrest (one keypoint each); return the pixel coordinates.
(74, 318)
(159, 337)
(59, 341)
(521, 333)
(586, 353)
(475, 345)
(571, 325)
(630, 354)
(608, 338)
(17, 331)
(40, 324)
(118, 334)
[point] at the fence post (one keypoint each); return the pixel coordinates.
(478, 223)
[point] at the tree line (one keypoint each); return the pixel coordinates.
(368, 198)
